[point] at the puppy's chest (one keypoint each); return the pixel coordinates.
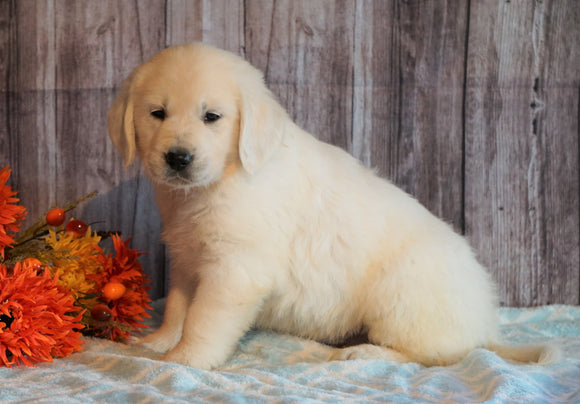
(187, 235)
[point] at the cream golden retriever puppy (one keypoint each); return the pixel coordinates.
(267, 226)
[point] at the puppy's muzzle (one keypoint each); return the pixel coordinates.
(178, 159)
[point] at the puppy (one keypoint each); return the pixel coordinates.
(267, 226)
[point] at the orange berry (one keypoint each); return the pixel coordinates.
(55, 217)
(114, 290)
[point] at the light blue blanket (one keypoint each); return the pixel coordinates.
(276, 368)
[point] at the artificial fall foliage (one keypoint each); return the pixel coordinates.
(58, 283)
(11, 214)
(38, 318)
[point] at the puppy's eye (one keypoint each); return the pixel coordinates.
(158, 114)
(210, 117)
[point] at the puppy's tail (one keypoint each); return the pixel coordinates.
(543, 354)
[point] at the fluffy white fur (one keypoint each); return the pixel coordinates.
(270, 227)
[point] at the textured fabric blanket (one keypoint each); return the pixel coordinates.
(268, 367)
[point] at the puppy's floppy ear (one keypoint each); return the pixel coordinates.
(262, 122)
(120, 123)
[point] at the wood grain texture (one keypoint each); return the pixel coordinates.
(304, 49)
(217, 22)
(409, 74)
(516, 153)
(472, 107)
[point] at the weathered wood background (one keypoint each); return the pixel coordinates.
(471, 106)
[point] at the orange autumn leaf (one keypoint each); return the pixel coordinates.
(38, 318)
(11, 214)
(124, 268)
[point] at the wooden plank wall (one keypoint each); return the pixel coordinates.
(471, 106)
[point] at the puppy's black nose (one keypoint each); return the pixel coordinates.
(178, 159)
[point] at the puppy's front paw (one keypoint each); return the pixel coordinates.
(132, 340)
(200, 356)
(184, 356)
(157, 341)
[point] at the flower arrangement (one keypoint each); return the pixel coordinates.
(57, 283)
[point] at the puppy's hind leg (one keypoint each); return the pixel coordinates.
(368, 351)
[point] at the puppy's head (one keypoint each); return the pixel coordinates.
(193, 111)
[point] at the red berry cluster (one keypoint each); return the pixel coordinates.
(56, 217)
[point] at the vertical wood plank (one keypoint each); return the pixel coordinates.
(30, 115)
(408, 97)
(6, 18)
(510, 143)
(496, 143)
(5, 52)
(304, 49)
(219, 23)
(6, 58)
